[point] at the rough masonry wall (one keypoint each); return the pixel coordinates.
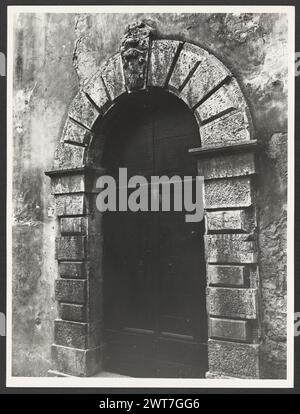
(253, 48)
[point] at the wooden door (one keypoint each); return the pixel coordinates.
(154, 273)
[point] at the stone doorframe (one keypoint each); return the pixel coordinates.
(226, 159)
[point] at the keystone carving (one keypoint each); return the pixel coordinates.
(135, 51)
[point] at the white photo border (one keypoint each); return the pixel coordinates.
(118, 382)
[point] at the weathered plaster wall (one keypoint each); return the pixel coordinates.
(252, 46)
(44, 84)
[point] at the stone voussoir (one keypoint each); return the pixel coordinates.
(162, 56)
(189, 57)
(83, 111)
(113, 77)
(95, 89)
(209, 74)
(228, 96)
(76, 134)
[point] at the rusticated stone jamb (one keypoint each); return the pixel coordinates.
(79, 253)
(229, 169)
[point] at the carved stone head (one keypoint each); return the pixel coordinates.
(135, 52)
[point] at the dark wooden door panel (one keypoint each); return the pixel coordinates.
(150, 356)
(154, 285)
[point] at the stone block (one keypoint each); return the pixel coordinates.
(78, 362)
(229, 96)
(230, 248)
(73, 225)
(71, 204)
(232, 302)
(95, 89)
(163, 53)
(72, 334)
(210, 73)
(70, 291)
(190, 56)
(68, 156)
(230, 220)
(113, 77)
(229, 329)
(83, 111)
(71, 248)
(227, 275)
(78, 248)
(72, 270)
(73, 312)
(75, 134)
(228, 193)
(229, 129)
(67, 184)
(234, 359)
(229, 165)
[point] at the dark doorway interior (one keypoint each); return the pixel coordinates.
(154, 271)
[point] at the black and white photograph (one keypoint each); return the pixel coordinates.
(150, 196)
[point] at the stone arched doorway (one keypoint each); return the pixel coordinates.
(226, 159)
